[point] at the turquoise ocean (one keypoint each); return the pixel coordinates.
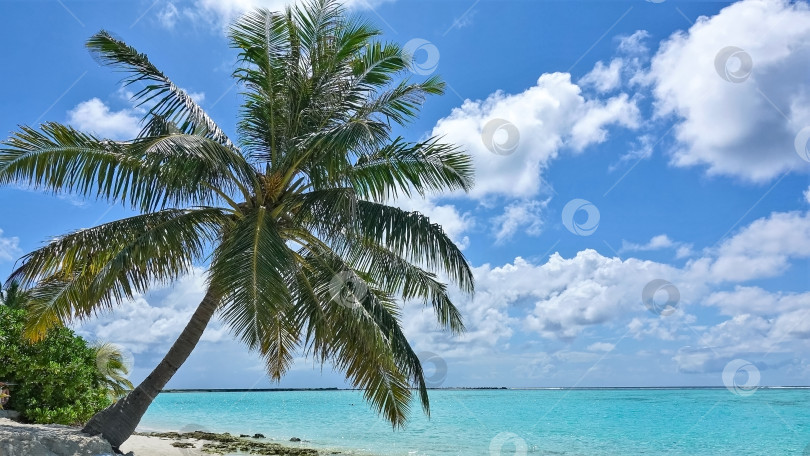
(560, 422)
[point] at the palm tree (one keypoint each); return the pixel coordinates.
(114, 366)
(12, 296)
(303, 253)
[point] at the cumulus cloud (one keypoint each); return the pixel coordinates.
(744, 129)
(154, 320)
(525, 216)
(544, 118)
(634, 43)
(624, 69)
(762, 249)
(557, 300)
(757, 301)
(169, 15)
(659, 242)
(590, 289)
(9, 247)
(96, 117)
(604, 77)
(601, 347)
(565, 300)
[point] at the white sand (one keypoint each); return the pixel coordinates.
(142, 445)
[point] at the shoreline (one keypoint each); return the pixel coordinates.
(198, 443)
(22, 438)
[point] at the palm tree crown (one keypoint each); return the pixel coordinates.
(12, 296)
(114, 365)
(290, 219)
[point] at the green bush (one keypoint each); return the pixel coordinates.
(57, 380)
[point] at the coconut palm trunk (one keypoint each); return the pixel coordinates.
(117, 422)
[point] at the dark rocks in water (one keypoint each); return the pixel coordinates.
(258, 436)
(295, 439)
(243, 435)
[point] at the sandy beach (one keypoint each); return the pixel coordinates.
(142, 445)
(20, 439)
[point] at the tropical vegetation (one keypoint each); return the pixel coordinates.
(55, 380)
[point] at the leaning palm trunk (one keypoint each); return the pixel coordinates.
(117, 422)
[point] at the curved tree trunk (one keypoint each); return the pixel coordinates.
(117, 422)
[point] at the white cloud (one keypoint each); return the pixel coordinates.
(198, 97)
(96, 117)
(744, 129)
(590, 289)
(781, 339)
(756, 301)
(659, 242)
(761, 249)
(517, 216)
(9, 247)
(154, 320)
(548, 116)
(654, 328)
(807, 195)
(220, 13)
(601, 347)
(662, 241)
(604, 78)
(168, 15)
(565, 299)
(634, 43)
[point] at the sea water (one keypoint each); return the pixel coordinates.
(562, 422)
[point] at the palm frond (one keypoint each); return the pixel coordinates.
(249, 266)
(114, 367)
(82, 273)
(169, 102)
(160, 171)
(363, 338)
(414, 237)
(399, 277)
(401, 167)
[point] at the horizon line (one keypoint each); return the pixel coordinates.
(500, 388)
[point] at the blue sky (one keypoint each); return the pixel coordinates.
(679, 123)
